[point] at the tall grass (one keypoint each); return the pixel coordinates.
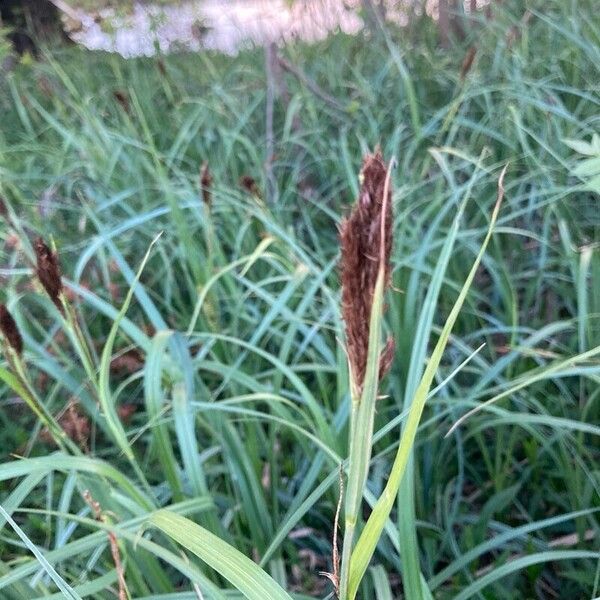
(213, 382)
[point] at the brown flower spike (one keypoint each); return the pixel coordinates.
(468, 62)
(249, 184)
(48, 272)
(362, 250)
(10, 330)
(206, 180)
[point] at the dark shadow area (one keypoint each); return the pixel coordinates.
(30, 23)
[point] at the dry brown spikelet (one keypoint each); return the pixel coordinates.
(361, 246)
(249, 184)
(10, 331)
(206, 180)
(48, 272)
(128, 362)
(114, 545)
(74, 423)
(123, 99)
(126, 411)
(467, 62)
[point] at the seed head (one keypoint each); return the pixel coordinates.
(206, 180)
(10, 330)
(363, 250)
(249, 184)
(122, 98)
(468, 62)
(48, 272)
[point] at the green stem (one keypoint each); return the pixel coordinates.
(28, 394)
(361, 434)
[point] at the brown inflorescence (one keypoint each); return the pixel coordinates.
(361, 247)
(128, 362)
(249, 184)
(10, 331)
(467, 62)
(123, 99)
(206, 184)
(74, 423)
(48, 272)
(114, 545)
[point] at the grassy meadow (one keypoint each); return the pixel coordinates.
(177, 425)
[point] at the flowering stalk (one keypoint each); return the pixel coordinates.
(206, 180)
(18, 380)
(371, 533)
(366, 242)
(49, 274)
(10, 331)
(210, 308)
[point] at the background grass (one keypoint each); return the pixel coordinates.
(234, 374)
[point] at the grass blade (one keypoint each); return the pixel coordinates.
(238, 569)
(68, 592)
(522, 563)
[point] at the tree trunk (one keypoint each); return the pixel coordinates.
(444, 23)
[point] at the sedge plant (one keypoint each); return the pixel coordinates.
(366, 242)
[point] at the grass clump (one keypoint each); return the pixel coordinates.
(207, 367)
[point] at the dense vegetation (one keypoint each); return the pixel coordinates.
(221, 391)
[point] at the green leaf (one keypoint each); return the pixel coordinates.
(381, 583)
(154, 400)
(498, 542)
(581, 147)
(238, 569)
(521, 563)
(105, 396)
(68, 592)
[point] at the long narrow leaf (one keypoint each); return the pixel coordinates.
(238, 569)
(68, 592)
